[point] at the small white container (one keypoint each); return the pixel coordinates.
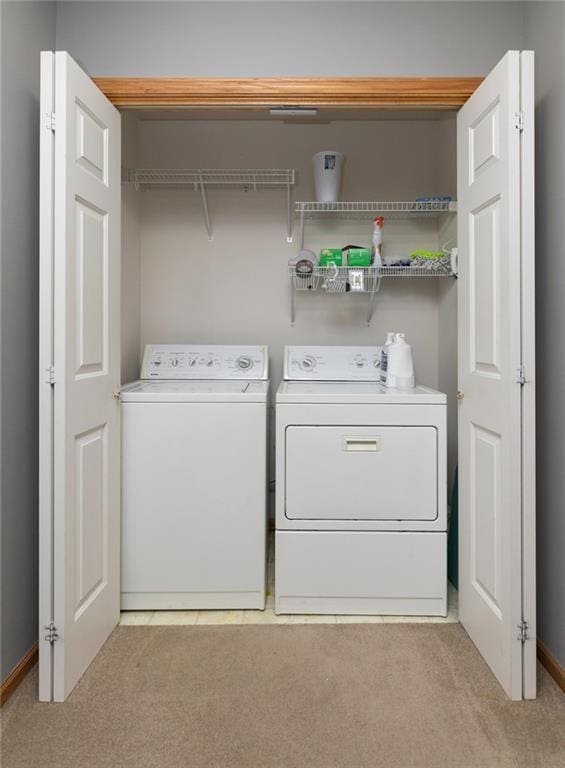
(328, 166)
(356, 280)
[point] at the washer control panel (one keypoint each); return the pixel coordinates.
(191, 361)
(332, 363)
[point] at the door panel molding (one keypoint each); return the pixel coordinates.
(386, 92)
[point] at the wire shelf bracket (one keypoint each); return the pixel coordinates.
(202, 179)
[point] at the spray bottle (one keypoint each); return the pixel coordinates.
(377, 240)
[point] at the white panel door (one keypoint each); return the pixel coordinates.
(82, 306)
(491, 316)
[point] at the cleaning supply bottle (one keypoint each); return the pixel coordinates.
(400, 364)
(377, 239)
(384, 355)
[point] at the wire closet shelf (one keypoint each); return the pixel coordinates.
(248, 179)
(203, 179)
(328, 277)
(390, 209)
(333, 279)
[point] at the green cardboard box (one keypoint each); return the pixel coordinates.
(331, 256)
(359, 257)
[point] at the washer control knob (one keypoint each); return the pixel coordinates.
(156, 362)
(175, 362)
(244, 363)
(210, 362)
(308, 363)
(192, 362)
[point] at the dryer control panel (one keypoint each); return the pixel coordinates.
(196, 361)
(332, 363)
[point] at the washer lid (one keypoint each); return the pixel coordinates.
(356, 392)
(206, 391)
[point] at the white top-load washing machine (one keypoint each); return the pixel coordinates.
(361, 507)
(194, 485)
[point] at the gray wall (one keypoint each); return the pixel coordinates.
(235, 289)
(26, 28)
(285, 38)
(131, 298)
(545, 33)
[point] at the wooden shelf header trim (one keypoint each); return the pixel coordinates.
(370, 92)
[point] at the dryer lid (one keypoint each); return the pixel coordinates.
(356, 392)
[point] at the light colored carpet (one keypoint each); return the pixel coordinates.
(312, 696)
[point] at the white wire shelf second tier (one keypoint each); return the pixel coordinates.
(337, 278)
(203, 179)
(359, 280)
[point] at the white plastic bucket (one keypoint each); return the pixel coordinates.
(328, 167)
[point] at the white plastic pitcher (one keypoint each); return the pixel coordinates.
(400, 364)
(328, 167)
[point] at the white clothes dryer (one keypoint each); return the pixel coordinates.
(361, 497)
(194, 484)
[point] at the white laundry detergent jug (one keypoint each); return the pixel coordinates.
(400, 364)
(384, 355)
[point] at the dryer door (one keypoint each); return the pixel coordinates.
(361, 473)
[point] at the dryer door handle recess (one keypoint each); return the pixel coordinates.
(362, 444)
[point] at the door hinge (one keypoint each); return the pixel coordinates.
(52, 633)
(523, 631)
(519, 124)
(50, 374)
(521, 375)
(50, 121)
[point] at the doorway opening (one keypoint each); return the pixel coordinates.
(169, 263)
